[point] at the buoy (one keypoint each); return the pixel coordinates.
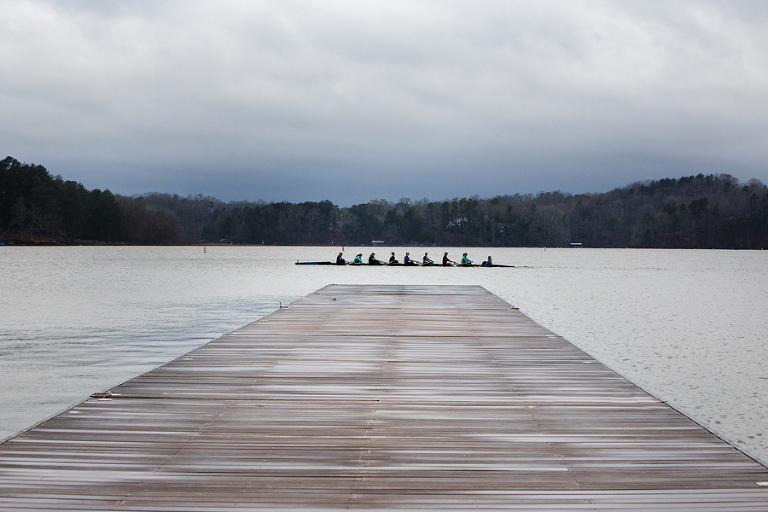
(205, 250)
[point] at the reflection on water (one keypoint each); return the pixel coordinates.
(688, 326)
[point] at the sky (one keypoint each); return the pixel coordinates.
(355, 100)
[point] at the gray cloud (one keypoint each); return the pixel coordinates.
(352, 100)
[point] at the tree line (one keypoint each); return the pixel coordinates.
(35, 206)
(702, 211)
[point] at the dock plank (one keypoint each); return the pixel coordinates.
(379, 397)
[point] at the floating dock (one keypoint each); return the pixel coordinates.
(379, 398)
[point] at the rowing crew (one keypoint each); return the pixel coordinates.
(372, 260)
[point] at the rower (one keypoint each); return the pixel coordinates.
(465, 260)
(446, 261)
(358, 259)
(372, 259)
(426, 260)
(392, 259)
(407, 259)
(340, 259)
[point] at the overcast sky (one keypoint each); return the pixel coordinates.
(358, 100)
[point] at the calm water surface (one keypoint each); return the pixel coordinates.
(688, 326)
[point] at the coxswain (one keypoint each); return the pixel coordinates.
(465, 260)
(372, 259)
(426, 260)
(488, 262)
(446, 261)
(340, 259)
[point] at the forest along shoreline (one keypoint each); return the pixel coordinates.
(693, 212)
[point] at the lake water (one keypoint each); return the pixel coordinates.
(690, 327)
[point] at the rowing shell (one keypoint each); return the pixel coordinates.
(400, 264)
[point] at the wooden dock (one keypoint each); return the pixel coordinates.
(379, 397)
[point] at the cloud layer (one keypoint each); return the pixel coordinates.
(350, 101)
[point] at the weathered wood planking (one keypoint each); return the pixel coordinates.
(379, 397)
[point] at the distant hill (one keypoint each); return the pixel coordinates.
(712, 211)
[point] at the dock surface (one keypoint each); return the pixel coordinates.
(379, 397)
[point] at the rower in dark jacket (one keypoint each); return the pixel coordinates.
(372, 259)
(340, 259)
